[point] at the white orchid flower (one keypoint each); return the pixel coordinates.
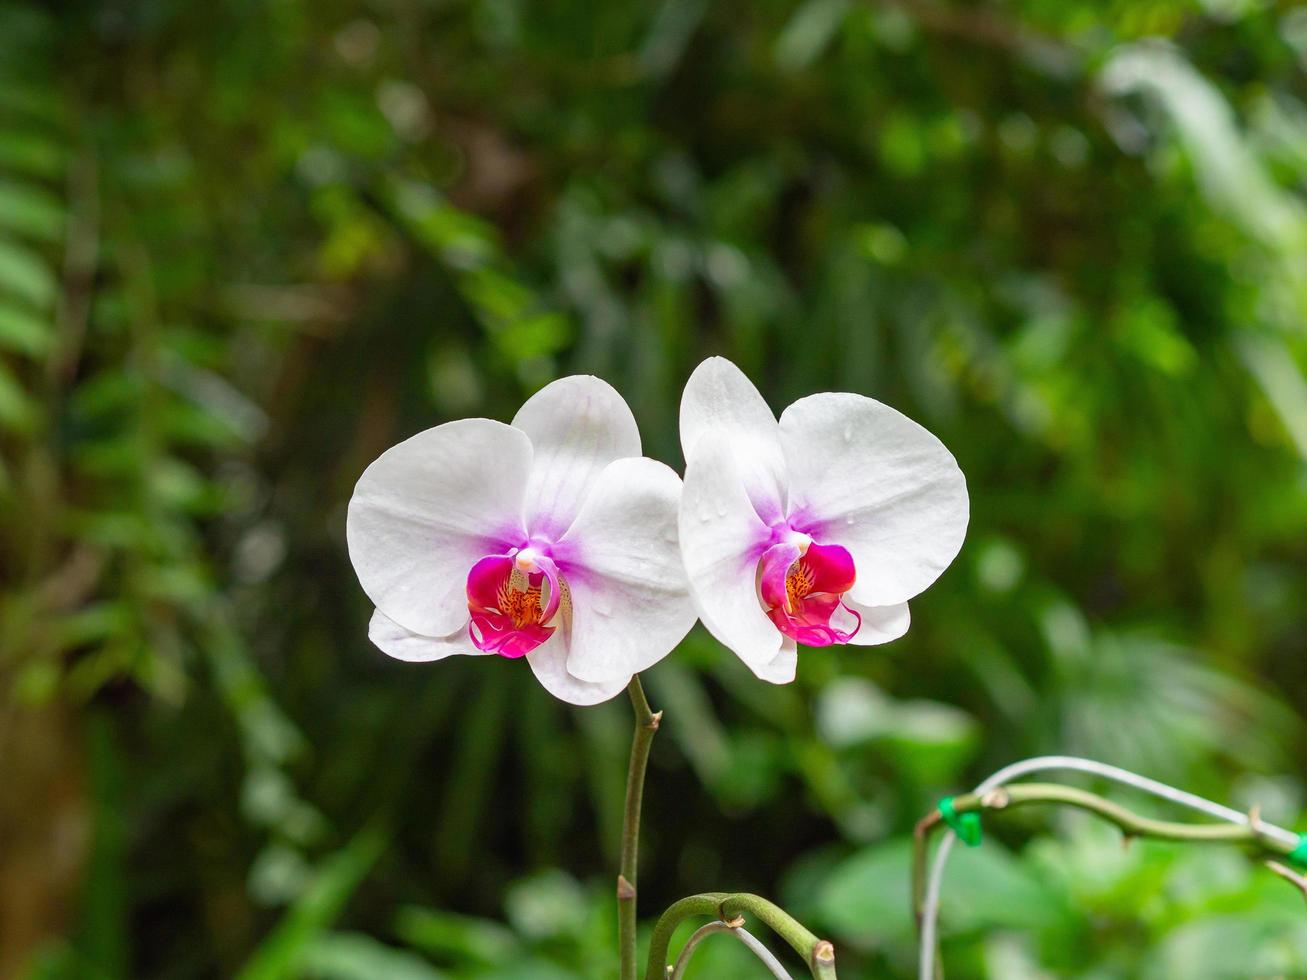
(814, 530)
(551, 539)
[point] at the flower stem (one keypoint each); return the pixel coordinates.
(1131, 824)
(646, 724)
(818, 954)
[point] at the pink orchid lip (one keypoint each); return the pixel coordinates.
(512, 599)
(802, 585)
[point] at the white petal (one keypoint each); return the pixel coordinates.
(782, 668)
(630, 601)
(428, 508)
(395, 641)
(869, 478)
(549, 663)
(880, 624)
(577, 426)
(722, 539)
(720, 399)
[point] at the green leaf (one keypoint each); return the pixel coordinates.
(17, 409)
(809, 32)
(24, 332)
(353, 956)
(30, 152)
(176, 483)
(108, 393)
(26, 275)
(285, 952)
(1229, 174)
(535, 336)
(928, 738)
(546, 905)
(1218, 947)
(478, 942)
(461, 239)
(868, 896)
(32, 98)
(30, 211)
(96, 623)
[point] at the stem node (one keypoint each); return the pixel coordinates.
(818, 954)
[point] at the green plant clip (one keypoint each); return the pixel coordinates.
(1298, 856)
(967, 825)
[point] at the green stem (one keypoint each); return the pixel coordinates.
(818, 954)
(646, 723)
(1130, 823)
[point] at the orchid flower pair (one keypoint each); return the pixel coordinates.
(553, 539)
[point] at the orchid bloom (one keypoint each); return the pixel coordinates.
(551, 539)
(815, 530)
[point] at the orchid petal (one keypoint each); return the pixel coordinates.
(773, 569)
(722, 539)
(630, 600)
(783, 667)
(802, 592)
(880, 624)
(720, 399)
(577, 426)
(508, 620)
(869, 478)
(550, 581)
(549, 664)
(494, 633)
(395, 641)
(427, 509)
(483, 581)
(832, 568)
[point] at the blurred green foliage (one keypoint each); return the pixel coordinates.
(246, 246)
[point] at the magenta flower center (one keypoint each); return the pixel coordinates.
(513, 600)
(802, 586)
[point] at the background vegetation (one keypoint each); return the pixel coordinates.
(245, 246)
